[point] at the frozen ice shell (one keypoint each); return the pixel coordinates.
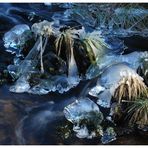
(79, 109)
(95, 91)
(24, 67)
(133, 60)
(86, 109)
(110, 79)
(16, 36)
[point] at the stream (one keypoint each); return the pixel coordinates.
(34, 119)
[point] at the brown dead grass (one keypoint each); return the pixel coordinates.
(130, 88)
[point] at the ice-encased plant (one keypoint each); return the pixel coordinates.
(118, 81)
(64, 43)
(42, 30)
(130, 87)
(87, 120)
(92, 43)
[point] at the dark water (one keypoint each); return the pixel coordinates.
(33, 119)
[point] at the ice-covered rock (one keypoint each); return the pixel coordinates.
(133, 59)
(16, 37)
(114, 73)
(110, 80)
(82, 113)
(81, 109)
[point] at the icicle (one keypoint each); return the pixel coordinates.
(72, 67)
(41, 55)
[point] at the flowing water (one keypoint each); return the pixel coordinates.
(34, 119)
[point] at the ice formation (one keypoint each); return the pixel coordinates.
(83, 110)
(25, 68)
(55, 83)
(133, 59)
(96, 90)
(110, 79)
(15, 38)
(120, 21)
